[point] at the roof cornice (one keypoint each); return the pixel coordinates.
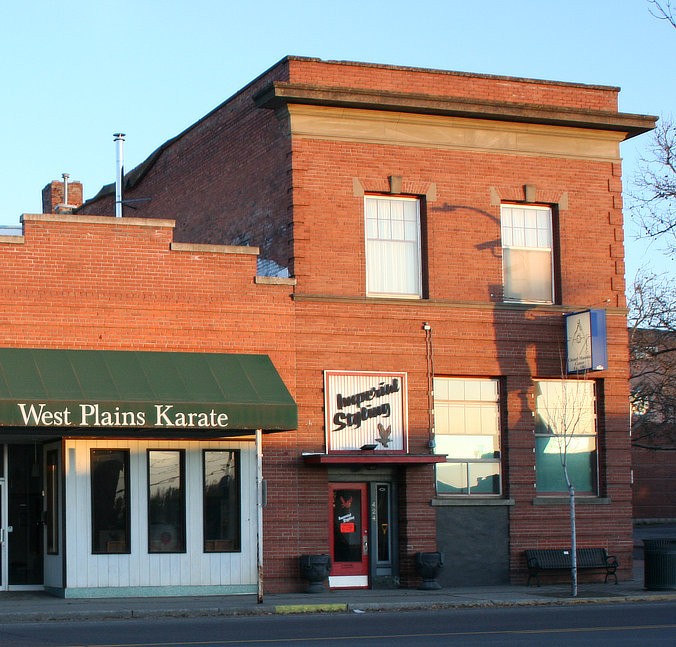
(280, 93)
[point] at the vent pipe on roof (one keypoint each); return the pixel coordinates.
(65, 177)
(118, 138)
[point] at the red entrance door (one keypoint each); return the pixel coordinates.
(348, 535)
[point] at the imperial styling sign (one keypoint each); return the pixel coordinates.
(365, 409)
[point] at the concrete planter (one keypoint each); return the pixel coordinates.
(315, 569)
(428, 566)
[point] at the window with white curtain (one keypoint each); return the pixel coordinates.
(393, 264)
(527, 253)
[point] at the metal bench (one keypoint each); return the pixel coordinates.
(558, 559)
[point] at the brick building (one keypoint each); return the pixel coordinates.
(653, 432)
(420, 235)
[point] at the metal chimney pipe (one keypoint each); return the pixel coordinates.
(65, 177)
(118, 138)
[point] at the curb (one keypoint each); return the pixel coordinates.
(83, 615)
(287, 609)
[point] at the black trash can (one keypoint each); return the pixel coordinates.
(659, 565)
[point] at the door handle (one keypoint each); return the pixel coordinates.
(365, 544)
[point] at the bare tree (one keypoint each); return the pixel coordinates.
(566, 414)
(652, 348)
(652, 298)
(652, 200)
(663, 10)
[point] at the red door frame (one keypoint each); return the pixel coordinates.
(348, 535)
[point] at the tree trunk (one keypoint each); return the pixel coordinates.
(573, 543)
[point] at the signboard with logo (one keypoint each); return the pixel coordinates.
(586, 341)
(365, 410)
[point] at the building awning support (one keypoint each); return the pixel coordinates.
(259, 512)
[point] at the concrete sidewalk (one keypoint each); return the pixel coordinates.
(39, 606)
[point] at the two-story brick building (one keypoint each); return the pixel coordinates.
(425, 233)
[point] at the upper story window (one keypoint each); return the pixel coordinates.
(527, 253)
(393, 266)
(467, 426)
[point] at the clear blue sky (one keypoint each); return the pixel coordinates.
(74, 72)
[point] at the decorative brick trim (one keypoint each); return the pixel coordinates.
(528, 193)
(214, 249)
(99, 220)
(274, 280)
(12, 240)
(394, 185)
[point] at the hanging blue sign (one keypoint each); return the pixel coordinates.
(586, 341)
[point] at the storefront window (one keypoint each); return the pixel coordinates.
(166, 501)
(467, 419)
(565, 434)
(221, 501)
(110, 500)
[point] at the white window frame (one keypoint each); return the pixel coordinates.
(566, 420)
(389, 276)
(479, 395)
(523, 234)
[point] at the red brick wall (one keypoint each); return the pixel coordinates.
(654, 483)
(452, 84)
(225, 180)
(464, 255)
(471, 341)
(472, 335)
(96, 283)
(235, 177)
(53, 195)
(109, 285)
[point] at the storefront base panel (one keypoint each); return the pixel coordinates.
(187, 566)
(475, 543)
(347, 582)
(152, 591)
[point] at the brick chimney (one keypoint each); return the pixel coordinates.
(61, 197)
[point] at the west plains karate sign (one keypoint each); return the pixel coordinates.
(365, 408)
(92, 414)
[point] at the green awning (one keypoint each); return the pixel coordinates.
(131, 389)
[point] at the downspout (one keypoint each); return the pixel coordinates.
(430, 385)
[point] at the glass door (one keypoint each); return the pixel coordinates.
(349, 535)
(3, 526)
(23, 527)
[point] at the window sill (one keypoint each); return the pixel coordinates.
(565, 500)
(274, 280)
(443, 502)
(438, 303)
